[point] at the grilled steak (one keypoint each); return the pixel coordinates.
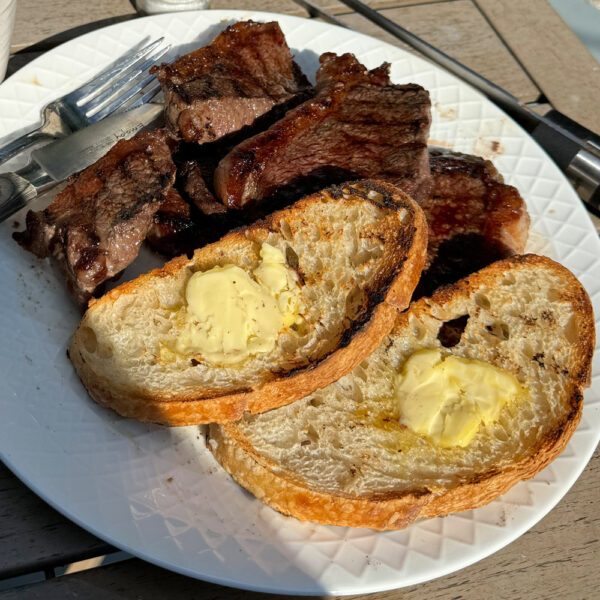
(216, 90)
(190, 217)
(358, 125)
(173, 230)
(196, 178)
(474, 219)
(95, 226)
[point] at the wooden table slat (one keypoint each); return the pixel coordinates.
(34, 536)
(285, 7)
(337, 8)
(561, 66)
(48, 28)
(458, 29)
(55, 23)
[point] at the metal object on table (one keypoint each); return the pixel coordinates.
(60, 159)
(316, 11)
(575, 149)
(123, 85)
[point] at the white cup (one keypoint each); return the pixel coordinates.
(7, 20)
(150, 7)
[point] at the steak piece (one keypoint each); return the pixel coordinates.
(474, 219)
(195, 168)
(245, 73)
(195, 181)
(183, 224)
(358, 125)
(173, 230)
(190, 217)
(95, 226)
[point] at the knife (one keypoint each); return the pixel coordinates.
(60, 159)
(575, 149)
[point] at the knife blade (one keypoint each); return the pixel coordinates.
(60, 159)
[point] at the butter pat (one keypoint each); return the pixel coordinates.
(274, 274)
(231, 315)
(448, 399)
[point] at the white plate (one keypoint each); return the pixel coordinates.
(157, 492)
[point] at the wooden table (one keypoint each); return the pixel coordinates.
(512, 43)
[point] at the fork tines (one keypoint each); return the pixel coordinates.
(119, 83)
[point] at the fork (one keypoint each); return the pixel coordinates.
(112, 90)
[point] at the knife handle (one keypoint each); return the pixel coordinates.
(15, 193)
(22, 143)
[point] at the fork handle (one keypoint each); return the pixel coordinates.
(15, 193)
(21, 143)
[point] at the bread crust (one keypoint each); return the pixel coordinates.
(385, 511)
(295, 499)
(210, 405)
(287, 493)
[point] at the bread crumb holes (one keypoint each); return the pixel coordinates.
(553, 295)
(355, 303)
(285, 230)
(90, 341)
(450, 333)
(571, 330)
(104, 351)
(417, 328)
(482, 301)
(499, 330)
(376, 196)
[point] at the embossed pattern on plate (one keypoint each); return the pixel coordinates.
(157, 492)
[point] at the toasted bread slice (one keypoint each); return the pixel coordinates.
(340, 456)
(358, 250)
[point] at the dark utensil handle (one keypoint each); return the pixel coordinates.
(584, 173)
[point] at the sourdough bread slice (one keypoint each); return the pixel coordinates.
(358, 250)
(340, 455)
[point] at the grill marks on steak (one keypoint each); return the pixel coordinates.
(474, 219)
(358, 125)
(216, 90)
(95, 226)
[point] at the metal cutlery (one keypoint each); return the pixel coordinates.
(123, 85)
(575, 149)
(60, 159)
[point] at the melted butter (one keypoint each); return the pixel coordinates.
(231, 315)
(379, 415)
(383, 414)
(448, 399)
